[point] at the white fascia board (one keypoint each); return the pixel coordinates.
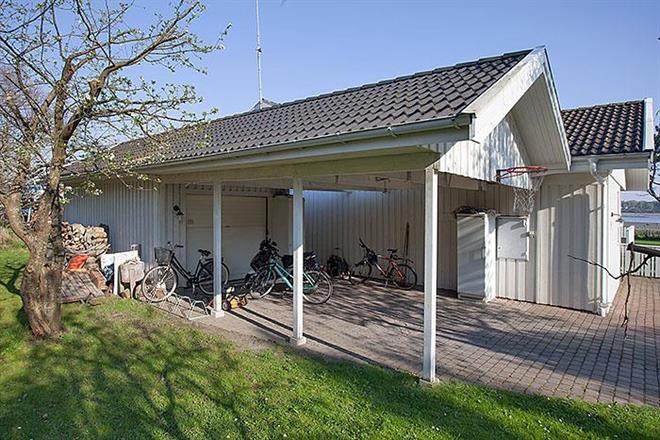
(369, 146)
(496, 102)
(611, 162)
(648, 124)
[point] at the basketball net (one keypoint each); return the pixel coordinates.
(523, 197)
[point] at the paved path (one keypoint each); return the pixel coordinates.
(505, 344)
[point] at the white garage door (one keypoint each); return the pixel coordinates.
(243, 227)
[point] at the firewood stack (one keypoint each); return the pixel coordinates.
(84, 240)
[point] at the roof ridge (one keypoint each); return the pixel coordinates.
(630, 101)
(375, 84)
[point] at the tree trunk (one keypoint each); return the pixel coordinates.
(42, 281)
(40, 291)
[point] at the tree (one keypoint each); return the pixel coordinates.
(68, 89)
(654, 179)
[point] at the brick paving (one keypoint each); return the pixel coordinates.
(505, 344)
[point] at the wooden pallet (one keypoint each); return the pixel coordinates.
(78, 285)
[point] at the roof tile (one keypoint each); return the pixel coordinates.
(435, 94)
(605, 129)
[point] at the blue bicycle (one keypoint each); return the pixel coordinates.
(317, 285)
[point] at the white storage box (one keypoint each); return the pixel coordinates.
(476, 256)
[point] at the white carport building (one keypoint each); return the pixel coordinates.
(370, 160)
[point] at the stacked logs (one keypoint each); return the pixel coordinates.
(88, 240)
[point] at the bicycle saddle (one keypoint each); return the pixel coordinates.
(204, 252)
(392, 250)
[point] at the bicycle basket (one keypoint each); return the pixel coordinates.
(163, 255)
(372, 257)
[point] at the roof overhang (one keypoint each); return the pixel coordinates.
(549, 148)
(635, 165)
(394, 140)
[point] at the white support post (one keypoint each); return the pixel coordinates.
(217, 311)
(430, 272)
(297, 338)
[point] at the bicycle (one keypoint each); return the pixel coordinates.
(398, 270)
(161, 281)
(337, 266)
(317, 286)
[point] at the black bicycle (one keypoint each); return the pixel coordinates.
(399, 270)
(162, 280)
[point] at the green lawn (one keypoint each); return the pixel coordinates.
(648, 241)
(124, 372)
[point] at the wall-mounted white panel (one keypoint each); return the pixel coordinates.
(513, 238)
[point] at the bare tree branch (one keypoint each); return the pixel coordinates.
(68, 91)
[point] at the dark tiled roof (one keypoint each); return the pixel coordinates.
(436, 94)
(605, 129)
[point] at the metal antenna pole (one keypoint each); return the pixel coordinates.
(261, 95)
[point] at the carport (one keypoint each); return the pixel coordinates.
(449, 128)
(401, 170)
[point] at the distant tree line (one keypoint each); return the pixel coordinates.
(639, 206)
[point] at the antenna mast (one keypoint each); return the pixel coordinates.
(261, 94)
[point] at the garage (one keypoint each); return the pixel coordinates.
(244, 225)
(433, 145)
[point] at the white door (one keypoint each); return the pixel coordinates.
(471, 255)
(243, 227)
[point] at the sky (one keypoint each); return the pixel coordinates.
(600, 51)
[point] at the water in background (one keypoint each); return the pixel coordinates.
(631, 218)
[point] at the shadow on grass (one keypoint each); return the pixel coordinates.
(10, 276)
(125, 370)
(11, 271)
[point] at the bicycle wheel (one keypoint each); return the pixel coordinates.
(403, 276)
(159, 283)
(361, 273)
(206, 278)
(225, 273)
(205, 283)
(262, 283)
(317, 287)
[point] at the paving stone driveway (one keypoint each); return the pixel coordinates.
(505, 344)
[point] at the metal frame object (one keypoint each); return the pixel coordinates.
(519, 170)
(523, 198)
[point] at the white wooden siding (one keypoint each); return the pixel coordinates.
(568, 222)
(339, 219)
(132, 216)
(144, 217)
(502, 148)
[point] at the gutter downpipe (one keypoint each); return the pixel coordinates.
(602, 306)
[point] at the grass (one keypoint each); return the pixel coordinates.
(8, 240)
(649, 241)
(124, 370)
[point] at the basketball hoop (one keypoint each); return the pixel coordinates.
(523, 197)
